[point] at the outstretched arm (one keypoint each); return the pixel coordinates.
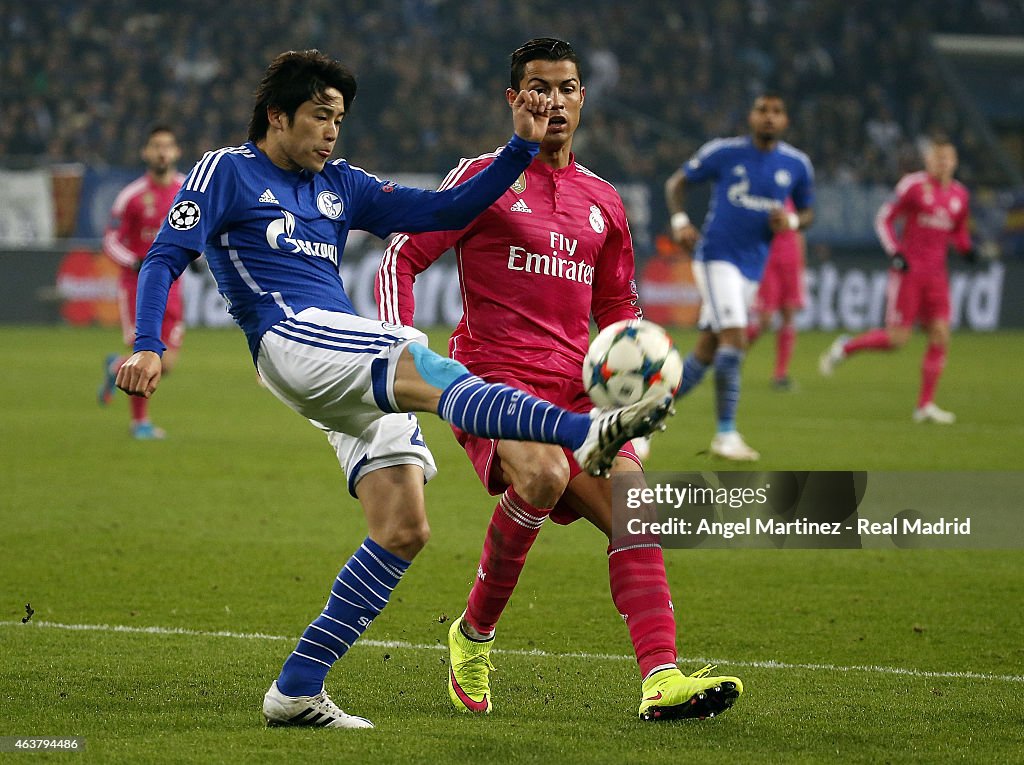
(140, 374)
(530, 115)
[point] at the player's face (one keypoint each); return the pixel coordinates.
(940, 161)
(560, 81)
(768, 119)
(161, 153)
(306, 141)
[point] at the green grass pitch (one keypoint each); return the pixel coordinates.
(169, 580)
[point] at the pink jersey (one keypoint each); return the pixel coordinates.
(933, 216)
(552, 250)
(138, 212)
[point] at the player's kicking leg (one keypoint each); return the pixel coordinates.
(425, 381)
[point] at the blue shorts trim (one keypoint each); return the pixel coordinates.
(379, 382)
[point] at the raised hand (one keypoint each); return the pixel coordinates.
(530, 113)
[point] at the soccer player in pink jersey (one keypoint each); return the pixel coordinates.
(549, 253)
(138, 212)
(934, 210)
(781, 292)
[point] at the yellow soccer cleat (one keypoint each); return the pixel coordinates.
(469, 670)
(671, 695)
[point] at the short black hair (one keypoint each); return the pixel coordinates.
(160, 127)
(545, 49)
(769, 95)
(293, 78)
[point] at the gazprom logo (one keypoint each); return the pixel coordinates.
(281, 227)
(279, 237)
(330, 204)
(739, 194)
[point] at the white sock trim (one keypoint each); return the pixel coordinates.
(659, 668)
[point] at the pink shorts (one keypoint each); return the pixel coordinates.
(914, 297)
(172, 332)
(483, 452)
(782, 285)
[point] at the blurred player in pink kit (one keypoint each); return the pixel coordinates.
(781, 291)
(138, 212)
(934, 209)
(552, 251)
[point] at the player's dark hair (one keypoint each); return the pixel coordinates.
(939, 139)
(772, 95)
(293, 78)
(544, 49)
(160, 127)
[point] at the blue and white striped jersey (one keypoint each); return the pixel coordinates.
(749, 184)
(274, 238)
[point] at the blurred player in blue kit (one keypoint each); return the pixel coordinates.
(752, 176)
(272, 217)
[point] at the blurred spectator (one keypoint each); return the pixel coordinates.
(79, 79)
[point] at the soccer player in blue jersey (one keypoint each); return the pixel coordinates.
(272, 217)
(752, 176)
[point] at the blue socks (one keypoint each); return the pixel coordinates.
(492, 410)
(360, 592)
(693, 373)
(727, 386)
(727, 363)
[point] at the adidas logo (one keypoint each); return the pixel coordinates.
(267, 197)
(520, 206)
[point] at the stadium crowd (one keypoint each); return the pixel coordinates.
(80, 80)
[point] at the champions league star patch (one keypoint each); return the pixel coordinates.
(184, 215)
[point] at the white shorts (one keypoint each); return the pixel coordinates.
(338, 371)
(726, 295)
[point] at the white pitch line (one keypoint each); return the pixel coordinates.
(537, 653)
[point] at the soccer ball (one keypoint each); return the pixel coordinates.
(629, 361)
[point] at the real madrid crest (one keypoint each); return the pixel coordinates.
(520, 185)
(596, 219)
